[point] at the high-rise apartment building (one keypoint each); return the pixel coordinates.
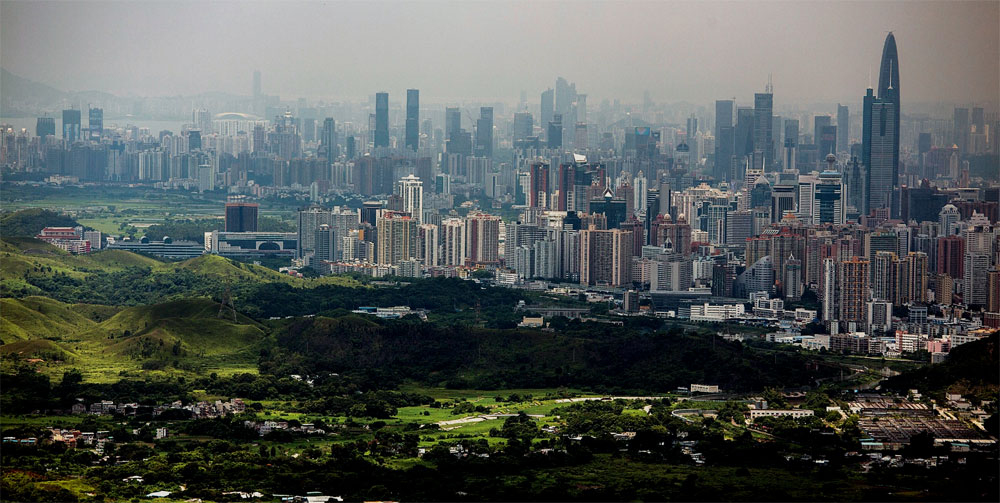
(397, 238)
(411, 190)
(71, 126)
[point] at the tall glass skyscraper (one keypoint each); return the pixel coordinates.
(880, 134)
(381, 120)
(412, 119)
(763, 123)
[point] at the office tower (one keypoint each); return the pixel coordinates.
(554, 136)
(381, 120)
(852, 288)
(605, 257)
(828, 207)
(45, 126)
(194, 139)
(324, 244)
(241, 217)
(855, 186)
(692, 128)
(843, 127)
(95, 123)
(948, 219)
(580, 140)
(763, 123)
(880, 133)
(71, 126)
(791, 143)
(826, 143)
(328, 140)
(547, 107)
(878, 155)
(411, 189)
(452, 121)
(820, 122)
(744, 140)
(484, 133)
(723, 115)
(539, 193)
(614, 209)
(482, 238)
(782, 201)
(370, 211)
(523, 126)
(715, 219)
(412, 119)
(961, 127)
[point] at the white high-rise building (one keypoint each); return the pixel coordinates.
(947, 218)
(411, 189)
(453, 241)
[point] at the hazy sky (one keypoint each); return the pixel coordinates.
(698, 52)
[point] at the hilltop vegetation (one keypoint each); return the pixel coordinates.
(27, 223)
(971, 369)
(592, 356)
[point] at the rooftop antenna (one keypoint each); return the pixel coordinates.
(869, 75)
(770, 88)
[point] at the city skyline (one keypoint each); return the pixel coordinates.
(698, 55)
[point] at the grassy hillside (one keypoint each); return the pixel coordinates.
(28, 222)
(183, 336)
(39, 318)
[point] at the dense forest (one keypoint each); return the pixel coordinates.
(592, 355)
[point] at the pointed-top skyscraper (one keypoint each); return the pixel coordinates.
(880, 135)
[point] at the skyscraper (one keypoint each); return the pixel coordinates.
(484, 133)
(452, 121)
(791, 143)
(328, 140)
(381, 120)
(554, 137)
(95, 122)
(71, 125)
(412, 119)
(523, 126)
(852, 288)
(843, 127)
(45, 126)
(880, 133)
(723, 138)
(763, 123)
(397, 238)
(548, 106)
(411, 189)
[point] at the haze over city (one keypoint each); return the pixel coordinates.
(315, 252)
(678, 51)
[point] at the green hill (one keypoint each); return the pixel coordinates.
(27, 223)
(39, 318)
(970, 369)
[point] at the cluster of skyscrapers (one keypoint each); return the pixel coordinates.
(868, 212)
